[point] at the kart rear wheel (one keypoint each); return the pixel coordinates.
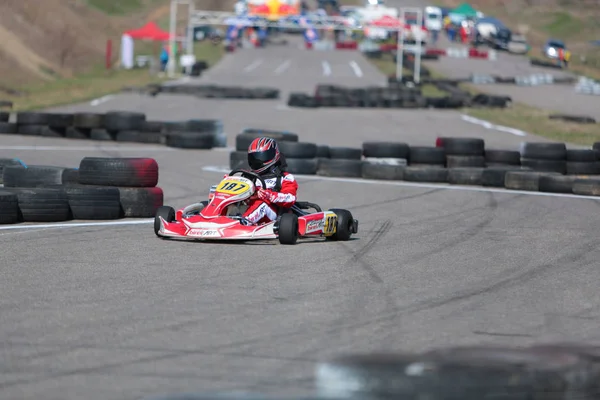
(167, 213)
(288, 229)
(344, 225)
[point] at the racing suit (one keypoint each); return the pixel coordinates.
(279, 193)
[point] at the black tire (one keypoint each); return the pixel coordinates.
(340, 168)
(32, 176)
(42, 204)
(507, 157)
(238, 159)
(302, 166)
(49, 131)
(153, 126)
(577, 119)
(8, 128)
(4, 116)
(30, 130)
(190, 140)
(213, 126)
(465, 161)
(461, 146)
(288, 228)
(323, 152)
(465, 176)
(70, 176)
(220, 140)
(125, 172)
(344, 225)
(425, 174)
(9, 208)
(140, 202)
(558, 166)
(528, 181)
(77, 133)
(544, 151)
(385, 150)
(427, 155)
(583, 168)
(88, 120)
(8, 162)
(556, 184)
(298, 149)
(494, 176)
(587, 187)
(345, 153)
(124, 121)
(101, 134)
(139, 137)
(582, 155)
(33, 118)
(165, 212)
(383, 171)
(94, 202)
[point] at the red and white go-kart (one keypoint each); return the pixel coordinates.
(220, 218)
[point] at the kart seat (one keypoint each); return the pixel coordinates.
(300, 206)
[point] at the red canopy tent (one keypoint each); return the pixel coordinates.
(150, 31)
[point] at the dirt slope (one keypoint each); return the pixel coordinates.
(49, 39)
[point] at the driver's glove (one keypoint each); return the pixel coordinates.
(266, 195)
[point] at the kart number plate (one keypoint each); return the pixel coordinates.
(203, 232)
(330, 225)
(229, 187)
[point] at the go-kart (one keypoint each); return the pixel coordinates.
(221, 218)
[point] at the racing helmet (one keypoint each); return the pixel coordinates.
(263, 154)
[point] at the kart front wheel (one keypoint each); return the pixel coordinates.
(167, 213)
(288, 229)
(345, 222)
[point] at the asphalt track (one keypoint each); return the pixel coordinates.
(112, 312)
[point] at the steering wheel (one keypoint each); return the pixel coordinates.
(249, 175)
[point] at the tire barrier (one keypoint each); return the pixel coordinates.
(546, 64)
(215, 92)
(578, 119)
(528, 80)
(548, 371)
(543, 167)
(587, 86)
(99, 189)
(118, 126)
(396, 95)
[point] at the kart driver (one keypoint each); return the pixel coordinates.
(266, 160)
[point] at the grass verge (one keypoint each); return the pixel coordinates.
(96, 84)
(519, 116)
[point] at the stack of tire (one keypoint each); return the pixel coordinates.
(223, 92)
(100, 189)
(117, 126)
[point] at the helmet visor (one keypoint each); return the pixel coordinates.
(261, 158)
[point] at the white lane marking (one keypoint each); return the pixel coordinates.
(77, 224)
(281, 68)
(424, 185)
(356, 68)
(489, 125)
(326, 68)
(100, 100)
(253, 66)
(84, 148)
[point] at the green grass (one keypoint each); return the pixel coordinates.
(116, 7)
(563, 25)
(97, 83)
(520, 116)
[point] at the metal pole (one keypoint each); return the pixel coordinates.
(417, 71)
(172, 43)
(190, 38)
(400, 48)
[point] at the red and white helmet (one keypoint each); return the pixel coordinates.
(263, 154)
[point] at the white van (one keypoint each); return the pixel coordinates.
(433, 18)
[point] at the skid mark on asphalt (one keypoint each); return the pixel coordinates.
(359, 255)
